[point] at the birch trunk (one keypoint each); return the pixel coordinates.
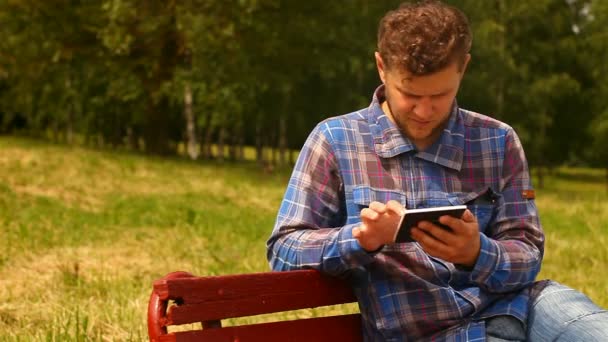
(193, 152)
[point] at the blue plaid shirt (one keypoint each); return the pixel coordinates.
(405, 294)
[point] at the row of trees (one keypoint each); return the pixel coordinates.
(152, 75)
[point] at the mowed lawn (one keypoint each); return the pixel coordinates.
(84, 233)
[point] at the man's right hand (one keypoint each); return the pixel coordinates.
(379, 223)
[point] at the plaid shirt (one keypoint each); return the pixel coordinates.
(405, 294)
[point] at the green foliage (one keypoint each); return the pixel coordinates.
(599, 130)
(115, 72)
(596, 33)
(527, 70)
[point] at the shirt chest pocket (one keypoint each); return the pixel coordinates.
(482, 204)
(364, 195)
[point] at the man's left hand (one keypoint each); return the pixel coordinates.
(459, 246)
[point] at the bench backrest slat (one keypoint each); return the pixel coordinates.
(210, 298)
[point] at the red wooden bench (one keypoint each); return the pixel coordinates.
(181, 298)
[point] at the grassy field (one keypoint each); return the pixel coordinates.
(84, 233)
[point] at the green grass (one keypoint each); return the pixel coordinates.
(574, 212)
(84, 233)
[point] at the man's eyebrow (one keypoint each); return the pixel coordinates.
(404, 91)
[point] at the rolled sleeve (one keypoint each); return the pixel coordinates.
(311, 229)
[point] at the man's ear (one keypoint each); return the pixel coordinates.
(380, 65)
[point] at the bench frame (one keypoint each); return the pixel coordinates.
(181, 298)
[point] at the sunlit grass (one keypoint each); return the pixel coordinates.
(85, 233)
(574, 213)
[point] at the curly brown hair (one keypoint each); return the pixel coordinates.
(422, 38)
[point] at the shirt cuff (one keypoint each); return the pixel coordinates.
(351, 252)
(486, 261)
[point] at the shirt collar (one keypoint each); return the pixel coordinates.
(447, 151)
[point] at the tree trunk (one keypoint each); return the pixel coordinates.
(69, 126)
(540, 173)
(69, 133)
(241, 148)
(259, 144)
(220, 144)
(155, 128)
(190, 123)
(274, 150)
(130, 139)
(234, 143)
(36, 130)
(207, 151)
(56, 136)
(232, 149)
(166, 52)
(282, 139)
(83, 112)
(100, 142)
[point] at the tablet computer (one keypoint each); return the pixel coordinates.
(413, 216)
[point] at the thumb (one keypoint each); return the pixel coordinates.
(359, 231)
(395, 207)
(468, 216)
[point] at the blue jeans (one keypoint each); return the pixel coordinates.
(558, 313)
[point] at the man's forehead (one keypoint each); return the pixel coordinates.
(428, 84)
(452, 70)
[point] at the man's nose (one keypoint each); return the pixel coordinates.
(424, 107)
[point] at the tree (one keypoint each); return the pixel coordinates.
(593, 27)
(527, 71)
(144, 39)
(151, 75)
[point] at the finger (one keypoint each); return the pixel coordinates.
(360, 231)
(378, 207)
(468, 216)
(428, 243)
(395, 207)
(454, 223)
(369, 214)
(357, 232)
(458, 224)
(439, 233)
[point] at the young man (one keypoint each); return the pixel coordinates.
(414, 147)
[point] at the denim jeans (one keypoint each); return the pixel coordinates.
(558, 313)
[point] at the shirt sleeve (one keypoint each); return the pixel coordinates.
(512, 252)
(310, 229)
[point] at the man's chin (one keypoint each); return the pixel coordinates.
(417, 136)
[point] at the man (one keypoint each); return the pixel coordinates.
(414, 147)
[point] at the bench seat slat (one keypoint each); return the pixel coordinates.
(321, 329)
